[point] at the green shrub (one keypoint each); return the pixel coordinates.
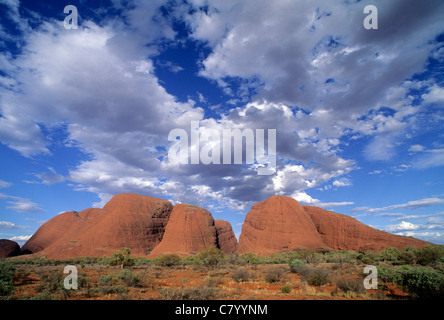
(341, 257)
(424, 283)
(296, 265)
(108, 285)
(393, 275)
(407, 255)
(318, 277)
(286, 289)
(7, 271)
(131, 279)
(252, 258)
(429, 255)
(241, 275)
(312, 257)
(235, 260)
(389, 255)
(50, 282)
(210, 257)
(168, 260)
(421, 282)
(369, 257)
(122, 258)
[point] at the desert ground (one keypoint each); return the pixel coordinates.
(210, 275)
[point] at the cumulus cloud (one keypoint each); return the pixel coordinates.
(403, 226)
(319, 80)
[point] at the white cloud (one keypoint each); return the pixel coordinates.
(8, 225)
(416, 148)
(403, 226)
(344, 182)
(5, 184)
(435, 95)
(415, 204)
(20, 204)
(100, 84)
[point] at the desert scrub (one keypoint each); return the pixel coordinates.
(108, 284)
(241, 275)
(210, 257)
(131, 279)
(315, 276)
(275, 275)
(195, 293)
(168, 260)
(312, 257)
(348, 284)
(7, 271)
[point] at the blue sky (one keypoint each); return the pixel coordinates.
(359, 114)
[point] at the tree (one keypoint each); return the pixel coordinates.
(122, 258)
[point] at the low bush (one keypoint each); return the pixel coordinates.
(196, 293)
(407, 255)
(50, 282)
(421, 282)
(389, 255)
(319, 277)
(131, 279)
(108, 285)
(7, 271)
(241, 275)
(315, 276)
(235, 260)
(210, 257)
(429, 255)
(341, 257)
(286, 289)
(168, 260)
(252, 258)
(296, 265)
(424, 283)
(348, 284)
(312, 257)
(274, 275)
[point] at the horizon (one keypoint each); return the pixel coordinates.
(87, 103)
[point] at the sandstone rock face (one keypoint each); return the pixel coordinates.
(226, 239)
(9, 248)
(278, 224)
(190, 229)
(127, 220)
(282, 224)
(341, 232)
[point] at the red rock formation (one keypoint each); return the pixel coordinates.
(341, 232)
(127, 220)
(281, 223)
(190, 229)
(9, 248)
(226, 239)
(277, 224)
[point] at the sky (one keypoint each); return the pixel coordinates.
(86, 112)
